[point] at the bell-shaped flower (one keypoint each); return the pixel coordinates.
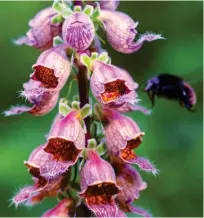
(42, 31)
(42, 187)
(121, 32)
(98, 186)
(78, 31)
(122, 136)
(112, 86)
(62, 209)
(65, 142)
(51, 72)
(130, 182)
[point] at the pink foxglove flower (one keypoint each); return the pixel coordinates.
(51, 72)
(123, 135)
(66, 140)
(62, 209)
(98, 186)
(112, 86)
(42, 30)
(121, 32)
(78, 31)
(42, 187)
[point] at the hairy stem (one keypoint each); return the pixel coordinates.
(83, 86)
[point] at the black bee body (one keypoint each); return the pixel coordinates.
(171, 87)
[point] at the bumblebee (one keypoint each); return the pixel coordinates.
(171, 87)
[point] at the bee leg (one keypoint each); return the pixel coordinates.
(152, 98)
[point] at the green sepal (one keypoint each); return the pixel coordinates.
(62, 9)
(101, 148)
(97, 110)
(103, 57)
(57, 19)
(92, 143)
(57, 41)
(96, 12)
(64, 108)
(75, 105)
(86, 61)
(77, 8)
(88, 10)
(94, 56)
(85, 111)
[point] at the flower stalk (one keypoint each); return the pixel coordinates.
(87, 160)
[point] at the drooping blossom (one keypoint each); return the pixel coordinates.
(112, 86)
(78, 31)
(98, 186)
(123, 135)
(121, 32)
(65, 142)
(51, 72)
(42, 186)
(62, 209)
(42, 31)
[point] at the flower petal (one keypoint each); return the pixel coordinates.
(120, 30)
(42, 31)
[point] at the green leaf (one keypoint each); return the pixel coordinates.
(57, 41)
(88, 10)
(92, 143)
(86, 111)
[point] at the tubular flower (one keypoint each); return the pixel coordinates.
(123, 135)
(112, 86)
(66, 140)
(62, 209)
(78, 31)
(42, 187)
(121, 32)
(43, 163)
(42, 31)
(42, 90)
(130, 181)
(98, 186)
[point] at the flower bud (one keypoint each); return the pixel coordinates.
(42, 31)
(121, 32)
(98, 186)
(78, 31)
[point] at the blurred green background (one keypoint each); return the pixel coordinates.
(173, 135)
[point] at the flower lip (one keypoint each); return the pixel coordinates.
(45, 75)
(114, 90)
(62, 149)
(127, 152)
